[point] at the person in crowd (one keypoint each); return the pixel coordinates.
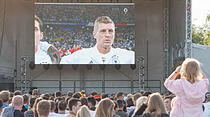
(4, 96)
(105, 108)
(35, 93)
(52, 109)
(91, 103)
(17, 92)
(189, 90)
(62, 108)
(1, 107)
(84, 101)
(35, 106)
(30, 112)
(15, 109)
(129, 104)
(167, 103)
(25, 103)
(155, 107)
(206, 106)
(83, 112)
(102, 52)
(135, 97)
(120, 111)
(74, 105)
(140, 106)
(43, 108)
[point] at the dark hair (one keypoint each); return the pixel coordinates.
(77, 95)
(72, 102)
(104, 95)
(91, 100)
(136, 96)
(17, 92)
(129, 102)
(58, 94)
(120, 103)
(52, 105)
(25, 99)
(32, 101)
(1, 103)
(46, 96)
(119, 94)
(84, 101)
(69, 94)
(62, 105)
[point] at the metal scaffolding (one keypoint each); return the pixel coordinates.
(188, 40)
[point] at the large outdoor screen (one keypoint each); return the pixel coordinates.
(84, 33)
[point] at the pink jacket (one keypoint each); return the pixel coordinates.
(189, 97)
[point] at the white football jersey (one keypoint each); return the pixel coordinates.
(92, 56)
(41, 56)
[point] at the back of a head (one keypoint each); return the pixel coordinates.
(156, 105)
(62, 105)
(43, 108)
(139, 102)
(1, 104)
(17, 92)
(17, 100)
(26, 99)
(129, 102)
(83, 112)
(52, 105)
(4, 96)
(58, 94)
(105, 108)
(91, 100)
(190, 70)
(84, 101)
(120, 103)
(76, 95)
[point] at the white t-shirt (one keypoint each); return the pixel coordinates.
(92, 56)
(41, 56)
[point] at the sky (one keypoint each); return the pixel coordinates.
(200, 9)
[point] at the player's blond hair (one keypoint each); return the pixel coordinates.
(36, 18)
(102, 19)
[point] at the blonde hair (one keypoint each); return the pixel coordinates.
(190, 70)
(102, 19)
(155, 105)
(139, 103)
(105, 108)
(83, 112)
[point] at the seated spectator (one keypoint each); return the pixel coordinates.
(189, 90)
(43, 108)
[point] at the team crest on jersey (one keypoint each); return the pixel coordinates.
(115, 59)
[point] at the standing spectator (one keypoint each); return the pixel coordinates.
(43, 108)
(207, 106)
(140, 106)
(15, 110)
(120, 111)
(155, 107)
(167, 103)
(91, 103)
(62, 107)
(30, 112)
(4, 96)
(52, 109)
(135, 97)
(105, 108)
(74, 105)
(35, 93)
(189, 90)
(83, 112)
(1, 107)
